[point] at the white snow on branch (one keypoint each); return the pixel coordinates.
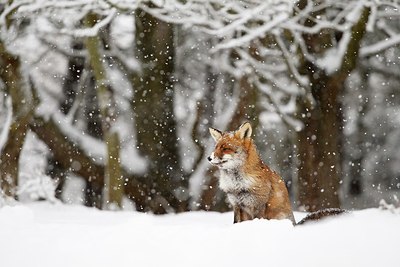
(92, 147)
(246, 17)
(372, 18)
(303, 81)
(380, 46)
(96, 149)
(10, 9)
(253, 34)
(93, 31)
(123, 5)
(7, 124)
(355, 13)
(333, 58)
(184, 14)
(31, 6)
(283, 109)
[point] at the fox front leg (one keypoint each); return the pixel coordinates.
(260, 212)
(236, 214)
(240, 215)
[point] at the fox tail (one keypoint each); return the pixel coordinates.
(318, 215)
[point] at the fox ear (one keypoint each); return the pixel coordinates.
(216, 134)
(244, 130)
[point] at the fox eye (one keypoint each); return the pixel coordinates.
(227, 149)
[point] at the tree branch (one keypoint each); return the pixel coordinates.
(353, 48)
(72, 158)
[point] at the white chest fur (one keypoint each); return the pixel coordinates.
(238, 187)
(232, 181)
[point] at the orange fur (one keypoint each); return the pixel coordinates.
(253, 189)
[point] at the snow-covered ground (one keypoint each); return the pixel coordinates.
(43, 234)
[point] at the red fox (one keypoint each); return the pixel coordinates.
(252, 188)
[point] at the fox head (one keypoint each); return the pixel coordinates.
(231, 147)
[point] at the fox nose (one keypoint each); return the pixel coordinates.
(209, 158)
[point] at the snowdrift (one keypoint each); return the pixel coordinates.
(43, 234)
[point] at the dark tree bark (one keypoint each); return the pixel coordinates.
(70, 89)
(23, 105)
(113, 187)
(319, 142)
(319, 150)
(205, 110)
(247, 108)
(93, 194)
(154, 114)
(358, 154)
(56, 172)
(79, 92)
(70, 86)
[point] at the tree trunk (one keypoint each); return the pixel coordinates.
(22, 109)
(70, 89)
(247, 108)
(153, 106)
(319, 150)
(93, 194)
(70, 86)
(113, 180)
(357, 156)
(319, 142)
(10, 156)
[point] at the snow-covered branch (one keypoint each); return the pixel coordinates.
(290, 64)
(93, 31)
(6, 126)
(380, 46)
(244, 30)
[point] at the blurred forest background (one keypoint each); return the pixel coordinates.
(108, 103)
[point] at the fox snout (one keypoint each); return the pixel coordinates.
(223, 162)
(213, 159)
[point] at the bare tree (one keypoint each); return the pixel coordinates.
(20, 103)
(113, 176)
(153, 104)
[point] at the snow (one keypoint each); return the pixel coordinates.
(253, 34)
(380, 46)
(332, 61)
(44, 234)
(7, 123)
(90, 32)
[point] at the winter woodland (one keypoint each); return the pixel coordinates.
(107, 103)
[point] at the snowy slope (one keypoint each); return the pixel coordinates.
(43, 234)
